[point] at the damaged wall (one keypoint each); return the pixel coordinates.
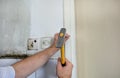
(14, 26)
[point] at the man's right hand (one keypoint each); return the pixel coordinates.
(64, 71)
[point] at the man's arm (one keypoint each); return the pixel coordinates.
(32, 63)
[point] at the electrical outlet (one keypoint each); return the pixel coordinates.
(46, 42)
(32, 44)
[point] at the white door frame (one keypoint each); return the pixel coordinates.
(69, 24)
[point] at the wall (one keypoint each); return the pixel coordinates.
(20, 20)
(98, 38)
(14, 26)
(36, 19)
(23, 19)
(46, 19)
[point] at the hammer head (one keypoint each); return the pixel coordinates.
(61, 38)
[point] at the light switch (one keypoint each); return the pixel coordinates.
(46, 42)
(32, 44)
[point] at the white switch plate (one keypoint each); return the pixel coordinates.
(46, 42)
(33, 44)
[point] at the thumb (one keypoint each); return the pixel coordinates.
(59, 63)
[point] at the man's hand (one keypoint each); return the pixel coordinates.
(56, 39)
(66, 71)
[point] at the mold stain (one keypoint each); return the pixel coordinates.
(14, 56)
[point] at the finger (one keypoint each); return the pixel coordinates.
(59, 63)
(59, 59)
(56, 36)
(67, 36)
(67, 61)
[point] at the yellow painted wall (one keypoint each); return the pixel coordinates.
(98, 38)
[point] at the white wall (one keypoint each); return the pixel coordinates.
(14, 26)
(98, 38)
(44, 19)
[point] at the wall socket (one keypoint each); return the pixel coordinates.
(33, 44)
(46, 42)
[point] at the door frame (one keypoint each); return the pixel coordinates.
(69, 24)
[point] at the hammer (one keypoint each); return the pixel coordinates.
(60, 44)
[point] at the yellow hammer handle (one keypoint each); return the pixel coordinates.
(63, 54)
